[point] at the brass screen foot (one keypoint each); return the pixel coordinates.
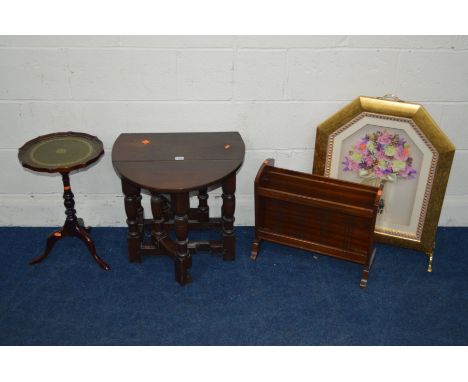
(429, 265)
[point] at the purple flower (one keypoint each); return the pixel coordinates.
(350, 165)
(385, 138)
(370, 153)
(369, 161)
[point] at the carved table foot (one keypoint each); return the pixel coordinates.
(82, 234)
(75, 231)
(51, 240)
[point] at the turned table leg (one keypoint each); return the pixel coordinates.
(132, 208)
(157, 232)
(183, 259)
(203, 208)
(227, 211)
(140, 212)
(168, 214)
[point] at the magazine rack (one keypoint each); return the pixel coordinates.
(323, 215)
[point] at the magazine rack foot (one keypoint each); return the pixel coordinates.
(254, 250)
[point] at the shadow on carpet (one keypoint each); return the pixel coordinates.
(286, 297)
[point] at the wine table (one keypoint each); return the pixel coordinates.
(63, 153)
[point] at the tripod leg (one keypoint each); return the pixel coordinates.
(81, 233)
(81, 223)
(51, 240)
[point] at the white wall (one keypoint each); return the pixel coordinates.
(274, 90)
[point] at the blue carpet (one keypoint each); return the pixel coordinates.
(286, 297)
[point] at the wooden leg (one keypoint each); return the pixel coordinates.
(430, 256)
(366, 270)
(183, 259)
(132, 195)
(140, 212)
(51, 240)
(203, 208)
(227, 211)
(81, 224)
(255, 248)
(364, 277)
(166, 208)
(83, 235)
(73, 227)
(157, 232)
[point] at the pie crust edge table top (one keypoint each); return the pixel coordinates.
(60, 152)
(177, 162)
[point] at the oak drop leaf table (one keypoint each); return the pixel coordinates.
(171, 166)
(63, 153)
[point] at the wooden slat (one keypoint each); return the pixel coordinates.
(310, 246)
(322, 180)
(318, 189)
(314, 202)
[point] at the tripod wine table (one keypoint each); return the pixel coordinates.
(63, 153)
(170, 166)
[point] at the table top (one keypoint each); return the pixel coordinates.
(177, 162)
(60, 152)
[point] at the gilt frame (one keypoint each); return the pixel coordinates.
(438, 170)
